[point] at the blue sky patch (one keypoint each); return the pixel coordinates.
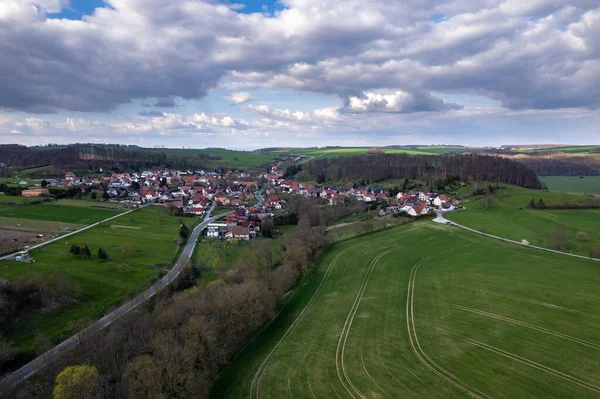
(78, 9)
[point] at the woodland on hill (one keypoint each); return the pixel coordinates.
(467, 167)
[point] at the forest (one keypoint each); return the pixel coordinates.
(85, 157)
(373, 168)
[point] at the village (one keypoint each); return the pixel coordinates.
(237, 194)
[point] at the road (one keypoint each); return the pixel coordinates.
(11, 256)
(35, 365)
(259, 197)
(441, 219)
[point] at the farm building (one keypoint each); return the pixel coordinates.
(36, 192)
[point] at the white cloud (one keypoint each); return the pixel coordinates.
(239, 97)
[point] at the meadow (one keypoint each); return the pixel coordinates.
(510, 217)
(573, 184)
(230, 158)
(58, 212)
(140, 246)
(332, 152)
(429, 311)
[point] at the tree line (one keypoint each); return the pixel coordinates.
(377, 167)
(85, 157)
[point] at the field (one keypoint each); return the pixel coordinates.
(58, 213)
(573, 184)
(231, 158)
(332, 152)
(510, 218)
(574, 149)
(136, 255)
(429, 311)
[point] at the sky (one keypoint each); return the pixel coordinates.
(279, 73)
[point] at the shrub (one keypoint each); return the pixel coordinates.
(581, 236)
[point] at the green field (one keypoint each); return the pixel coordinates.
(429, 311)
(510, 218)
(229, 158)
(140, 245)
(332, 152)
(570, 149)
(573, 184)
(55, 212)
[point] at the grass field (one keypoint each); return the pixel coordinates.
(510, 218)
(573, 184)
(230, 158)
(331, 152)
(137, 252)
(429, 311)
(56, 212)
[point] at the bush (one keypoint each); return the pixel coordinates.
(581, 236)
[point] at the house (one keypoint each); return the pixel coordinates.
(418, 210)
(196, 210)
(439, 200)
(448, 206)
(241, 233)
(216, 230)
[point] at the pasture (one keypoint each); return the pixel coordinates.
(509, 217)
(58, 212)
(136, 255)
(573, 184)
(229, 158)
(429, 311)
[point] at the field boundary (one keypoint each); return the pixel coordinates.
(11, 255)
(256, 381)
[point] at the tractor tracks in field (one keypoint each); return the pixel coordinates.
(414, 339)
(258, 376)
(536, 365)
(341, 347)
(528, 325)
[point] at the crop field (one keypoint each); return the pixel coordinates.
(139, 246)
(57, 213)
(231, 158)
(331, 152)
(429, 311)
(573, 184)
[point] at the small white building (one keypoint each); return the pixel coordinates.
(216, 230)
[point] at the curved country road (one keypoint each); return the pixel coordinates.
(32, 367)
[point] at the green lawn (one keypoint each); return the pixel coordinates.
(219, 210)
(137, 253)
(57, 213)
(573, 184)
(429, 311)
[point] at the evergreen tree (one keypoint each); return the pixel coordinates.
(44, 183)
(184, 232)
(102, 254)
(86, 253)
(75, 249)
(532, 203)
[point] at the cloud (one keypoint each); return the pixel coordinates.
(166, 102)
(397, 102)
(541, 54)
(150, 113)
(239, 97)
